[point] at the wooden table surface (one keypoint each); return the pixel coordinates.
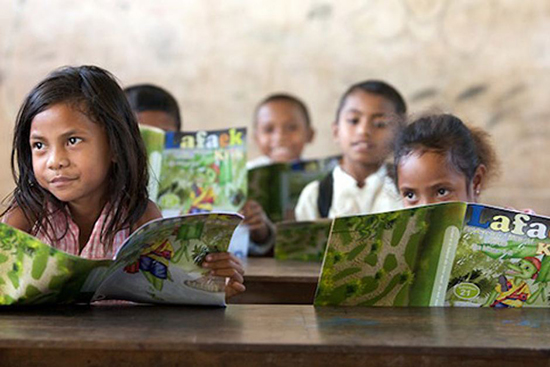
(270, 281)
(273, 335)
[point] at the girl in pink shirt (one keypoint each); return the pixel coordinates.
(81, 169)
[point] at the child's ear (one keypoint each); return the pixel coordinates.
(335, 130)
(478, 180)
(310, 135)
(255, 134)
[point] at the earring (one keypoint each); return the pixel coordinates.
(478, 192)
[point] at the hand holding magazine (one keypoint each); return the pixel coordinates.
(159, 263)
(277, 186)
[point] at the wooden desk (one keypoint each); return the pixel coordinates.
(270, 335)
(269, 281)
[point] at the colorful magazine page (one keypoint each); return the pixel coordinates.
(399, 258)
(154, 143)
(264, 187)
(161, 262)
(303, 241)
(32, 272)
(277, 186)
(203, 171)
(502, 261)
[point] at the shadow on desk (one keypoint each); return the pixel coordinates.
(269, 281)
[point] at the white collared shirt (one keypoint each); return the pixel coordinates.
(262, 160)
(378, 194)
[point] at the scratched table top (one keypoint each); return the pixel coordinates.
(274, 335)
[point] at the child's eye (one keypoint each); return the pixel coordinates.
(380, 124)
(74, 141)
(267, 130)
(442, 191)
(353, 121)
(37, 145)
(409, 195)
(292, 128)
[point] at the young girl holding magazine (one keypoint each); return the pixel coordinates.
(81, 171)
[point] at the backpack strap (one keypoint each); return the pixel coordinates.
(324, 200)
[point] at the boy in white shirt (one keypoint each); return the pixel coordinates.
(369, 115)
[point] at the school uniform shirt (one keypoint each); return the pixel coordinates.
(378, 194)
(262, 160)
(94, 248)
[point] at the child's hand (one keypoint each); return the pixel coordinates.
(256, 219)
(224, 264)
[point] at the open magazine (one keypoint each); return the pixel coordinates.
(200, 171)
(154, 138)
(277, 186)
(453, 254)
(159, 263)
(302, 241)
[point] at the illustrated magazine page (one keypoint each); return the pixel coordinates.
(159, 263)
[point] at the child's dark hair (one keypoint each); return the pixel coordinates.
(148, 97)
(379, 88)
(466, 148)
(284, 97)
(96, 93)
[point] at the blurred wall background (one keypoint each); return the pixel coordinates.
(486, 61)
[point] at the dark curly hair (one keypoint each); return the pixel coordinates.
(466, 147)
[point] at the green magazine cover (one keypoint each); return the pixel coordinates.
(303, 241)
(203, 171)
(159, 263)
(502, 260)
(398, 258)
(277, 186)
(153, 138)
(448, 254)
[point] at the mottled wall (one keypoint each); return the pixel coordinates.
(488, 61)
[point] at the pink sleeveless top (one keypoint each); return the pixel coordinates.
(94, 248)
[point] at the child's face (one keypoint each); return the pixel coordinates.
(71, 156)
(427, 178)
(366, 127)
(160, 119)
(281, 131)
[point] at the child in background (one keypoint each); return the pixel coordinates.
(369, 115)
(282, 128)
(80, 169)
(154, 106)
(438, 158)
